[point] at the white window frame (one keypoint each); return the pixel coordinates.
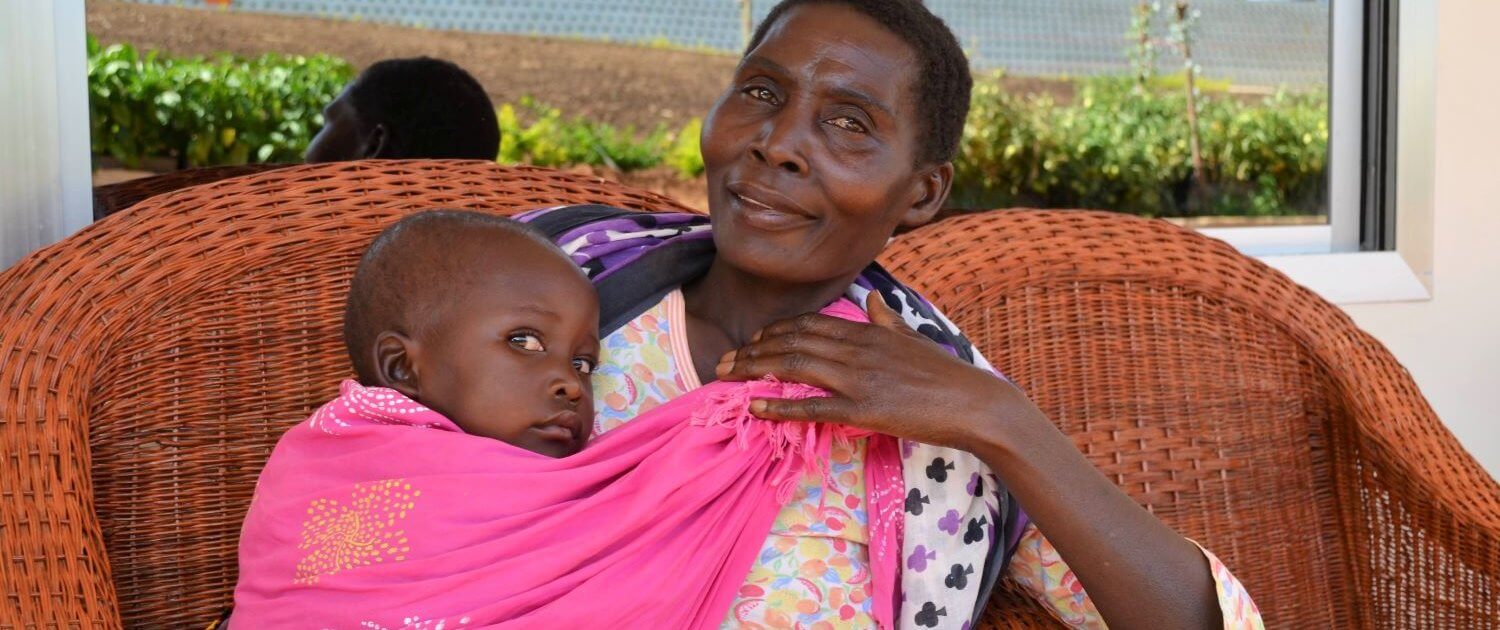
(45, 188)
(1326, 258)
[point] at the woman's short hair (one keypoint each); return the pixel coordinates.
(431, 108)
(943, 82)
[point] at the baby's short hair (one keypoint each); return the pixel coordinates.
(405, 276)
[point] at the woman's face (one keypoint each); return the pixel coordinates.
(811, 152)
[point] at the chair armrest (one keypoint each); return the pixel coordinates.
(1425, 517)
(1011, 608)
(1420, 519)
(53, 567)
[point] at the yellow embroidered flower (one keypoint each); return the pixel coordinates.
(339, 537)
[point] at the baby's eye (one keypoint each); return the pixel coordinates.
(527, 341)
(584, 365)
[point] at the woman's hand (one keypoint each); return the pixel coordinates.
(881, 376)
(888, 378)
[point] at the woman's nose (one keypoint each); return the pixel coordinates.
(780, 145)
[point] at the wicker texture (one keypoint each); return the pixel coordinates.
(112, 198)
(1238, 407)
(151, 360)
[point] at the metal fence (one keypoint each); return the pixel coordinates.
(1253, 42)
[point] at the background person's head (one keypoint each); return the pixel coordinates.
(840, 124)
(483, 320)
(408, 109)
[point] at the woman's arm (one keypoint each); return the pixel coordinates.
(1138, 572)
(888, 378)
(1042, 573)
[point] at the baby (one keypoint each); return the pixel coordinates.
(483, 320)
(383, 508)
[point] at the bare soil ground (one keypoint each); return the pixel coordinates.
(615, 83)
(618, 84)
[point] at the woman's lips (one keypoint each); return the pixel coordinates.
(765, 210)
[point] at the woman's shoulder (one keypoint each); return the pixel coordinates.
(558, 221)
(633, 258)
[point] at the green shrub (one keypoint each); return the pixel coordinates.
(221, 110)
(1271, 157)
(551, 140)
(685, 155)
(1119, 148)
(1114, 146)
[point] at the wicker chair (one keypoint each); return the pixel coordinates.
(112, 198)
(151, 360)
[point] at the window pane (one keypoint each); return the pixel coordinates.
(1085, 103)
(1078, 103)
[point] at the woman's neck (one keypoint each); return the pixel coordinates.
(738, 304)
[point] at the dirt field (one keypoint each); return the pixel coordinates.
(614, 83)
(605, 82)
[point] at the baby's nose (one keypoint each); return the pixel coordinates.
(567, 388)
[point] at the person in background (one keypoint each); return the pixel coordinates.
(408, 109)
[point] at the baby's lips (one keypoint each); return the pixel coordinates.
(555, 432)
(563, 426)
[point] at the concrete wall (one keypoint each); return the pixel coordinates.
(1451, 343)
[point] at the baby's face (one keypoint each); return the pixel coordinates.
(512, 361)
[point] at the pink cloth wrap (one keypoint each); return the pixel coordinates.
(379, 513)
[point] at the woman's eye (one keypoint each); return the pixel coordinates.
(527, 342)
(849, 124)
(584, 366)
(761, 94)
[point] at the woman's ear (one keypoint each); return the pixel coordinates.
(395, 363)
(929, 193)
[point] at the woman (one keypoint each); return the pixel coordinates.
(839, 126)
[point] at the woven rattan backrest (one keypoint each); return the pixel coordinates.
(188, 332)
(1213, 389)
(112, 198)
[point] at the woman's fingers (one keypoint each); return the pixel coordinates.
(881, 314)
(813, 324)
(796, 367)
(792, 343)
(821, 409)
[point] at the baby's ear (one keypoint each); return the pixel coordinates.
(395, 363)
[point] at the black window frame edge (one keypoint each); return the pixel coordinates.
(1377, 211)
